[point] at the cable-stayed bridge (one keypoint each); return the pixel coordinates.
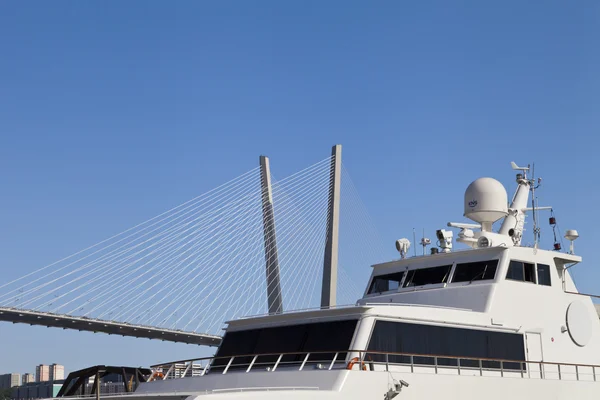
(254, 245)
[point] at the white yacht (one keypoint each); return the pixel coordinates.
(496, 320)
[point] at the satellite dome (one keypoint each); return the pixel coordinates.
(486, 201)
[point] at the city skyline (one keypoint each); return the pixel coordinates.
(43, 373)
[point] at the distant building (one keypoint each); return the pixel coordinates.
(42, 373)
(36, 390)
(8, 381)
(27, 378)
(57, 372)
(47, 390)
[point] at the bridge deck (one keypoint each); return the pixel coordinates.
(29, 317)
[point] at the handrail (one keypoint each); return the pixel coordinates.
(373, 352)
(500, 366)
(596, 296)
(299, 310)
(255, 354)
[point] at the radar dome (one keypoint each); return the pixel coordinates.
(486, 201)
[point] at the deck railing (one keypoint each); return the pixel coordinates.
(368, 361)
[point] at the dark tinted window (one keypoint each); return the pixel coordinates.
(398, 337)
(521, 271)
(385, 283)
(543, 271)
(317, 337)
(475, 271)
(427, 276)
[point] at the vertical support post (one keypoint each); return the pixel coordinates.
(329, 290)
(560, 375)
(274, 299)
(164, 377)
(522, 374)
(251, 363)
(304, 362)
(97, 384)
(333, 361)
(124, 375)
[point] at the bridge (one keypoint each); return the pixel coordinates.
(110, 327)
(253, 245)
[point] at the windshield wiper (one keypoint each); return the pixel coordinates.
(482, 273)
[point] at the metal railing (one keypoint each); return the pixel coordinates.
(370, 361)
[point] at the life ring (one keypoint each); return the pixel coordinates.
(354, 361)
(156, 375)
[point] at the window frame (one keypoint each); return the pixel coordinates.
(374, 277)
(537, 276)
(497, 267)
(428, 285)
(523, 263)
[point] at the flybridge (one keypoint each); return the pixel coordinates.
(468, 277)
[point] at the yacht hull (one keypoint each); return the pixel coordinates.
(314, 385)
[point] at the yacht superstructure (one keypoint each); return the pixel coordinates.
(496, 320)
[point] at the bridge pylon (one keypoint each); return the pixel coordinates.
(274, 297)
(330, 262)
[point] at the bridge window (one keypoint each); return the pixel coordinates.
(427, 276)
(314, 338)
(521, 271)
(475, 271)
(426, 341)
(386, 283)
(543, 275)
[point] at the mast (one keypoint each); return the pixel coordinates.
(514, 222)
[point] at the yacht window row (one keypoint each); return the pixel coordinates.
(529, 272)
(429, 341)
(291, 339)
(464, 272)
(420, 344)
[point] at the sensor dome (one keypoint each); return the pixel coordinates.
(486, 201)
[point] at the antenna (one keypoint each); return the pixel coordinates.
(571, 235)
(517, 168)
(425, 241)
(534, 207)
(414, 241)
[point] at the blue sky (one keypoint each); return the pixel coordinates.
(113, 112)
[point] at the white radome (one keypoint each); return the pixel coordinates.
(486, 201)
